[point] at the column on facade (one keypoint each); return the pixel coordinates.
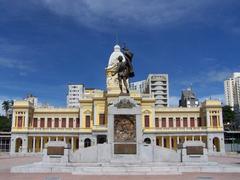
(72, 143)
(94, 114)
(74, 122)
(57, 138)
(200, 138)
(162, 141)
(195, 122)
(174, 123)
(181, 122)
(185, 138)
(79, 143)
(192, 138)
(188, 122)
(167, 122)
(64, 139)
(45, 122)
(34, 143)
(52, 122)
(67, 122)
(41, 146)
(38, 122)
(170, 142)
(49, 138)
(220, 118)
(160, 122)
(177, 139)
(26, 119)
(208, 119)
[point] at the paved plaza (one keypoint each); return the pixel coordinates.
(6, 162)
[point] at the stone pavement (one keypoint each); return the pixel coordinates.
(7, 162)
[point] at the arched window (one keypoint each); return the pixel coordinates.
(147, 140)
(18, 147)
(87, 142)
(216, 144)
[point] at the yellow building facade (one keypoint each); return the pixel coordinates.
(88, 125)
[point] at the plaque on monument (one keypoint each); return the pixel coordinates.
(125, 134)
(124, 128)
(55, 150)
(125, 149)
(194, 150)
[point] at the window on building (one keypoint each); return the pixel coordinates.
(102, 119)
(101, 139)
(178, 122)
(42, 122)
(204, 122)
(157, 122)
(49, 122)
(70, 122)
(77, 122)
(170, 120)
(147, 140)
(35, 122)
(63, 122)
(87, 142)
(214, 121)
(199, 122)
(20, 121)
(192, 122)
(87, 121)
(56, 122)
(163, 122)
(185, 122)
(146, 121)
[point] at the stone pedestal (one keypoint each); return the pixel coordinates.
(194, 151)
(124, 129)
(56, 152)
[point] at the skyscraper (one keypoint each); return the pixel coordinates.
(74, 94)
(155, 84)
(232, 91)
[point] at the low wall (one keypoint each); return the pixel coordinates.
(98, 153)
(152, 153)
(102, 153)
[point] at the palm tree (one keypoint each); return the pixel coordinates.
(6, 105)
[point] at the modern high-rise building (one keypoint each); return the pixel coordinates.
(139, 86)
(156, 85)
(232, 91)
(75, 92)
(188, 99)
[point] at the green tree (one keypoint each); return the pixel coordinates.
(5, 124)
(6, 105)
(228, 115)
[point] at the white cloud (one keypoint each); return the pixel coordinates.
(204, 77)
(105, 14)
(9, 57)
(218, 76)
(15, 64)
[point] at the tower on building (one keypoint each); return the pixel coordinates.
(188, 99)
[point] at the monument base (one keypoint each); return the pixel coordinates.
(126, 169)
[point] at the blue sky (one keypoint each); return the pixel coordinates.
(46, 44)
